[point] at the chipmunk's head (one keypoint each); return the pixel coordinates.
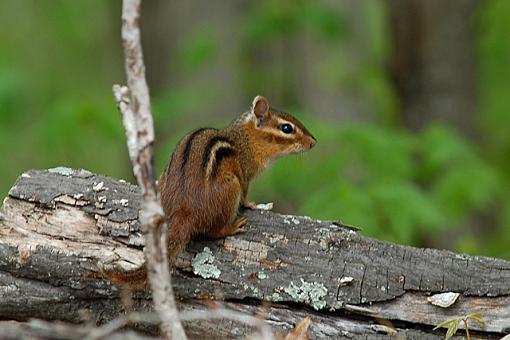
(278, 132)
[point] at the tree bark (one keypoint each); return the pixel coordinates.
(60, 228)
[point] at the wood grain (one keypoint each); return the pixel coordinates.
(57, 232)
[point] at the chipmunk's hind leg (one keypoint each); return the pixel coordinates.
(175, 247)
(235, 228)
(226, 196)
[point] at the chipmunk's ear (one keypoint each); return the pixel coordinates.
(260, 107)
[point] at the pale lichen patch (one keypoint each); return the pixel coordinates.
(324, 237)
(289, 219)
(309, 292)
(276, 297)
(202, 265)
(324, 231)
(98, 186)
(123, 202)
(61, 170)
(101, 201)
(255, 291)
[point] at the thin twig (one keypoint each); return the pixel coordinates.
(152, 318)
(249, 320)
(120, 322)
(134, 104)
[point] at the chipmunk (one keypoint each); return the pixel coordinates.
(210, 171)
(209, 174)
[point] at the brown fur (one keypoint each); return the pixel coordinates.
(195, 200)
(209, 204)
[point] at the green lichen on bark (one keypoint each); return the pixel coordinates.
(309, 292)
(202, 265)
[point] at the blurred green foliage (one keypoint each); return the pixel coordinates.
(494, 85)
(395, 185)
(57, 68)
(271, 20)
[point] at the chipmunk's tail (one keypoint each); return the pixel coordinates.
(178, 239)
(179, 235)
(135, 279)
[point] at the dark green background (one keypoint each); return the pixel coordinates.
(326, 63)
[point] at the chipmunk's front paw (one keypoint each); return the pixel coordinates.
(249, 204)
(254, 206)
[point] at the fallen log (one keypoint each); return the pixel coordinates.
(60, 227)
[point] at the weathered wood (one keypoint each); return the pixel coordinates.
(58, 227)
(39, 329)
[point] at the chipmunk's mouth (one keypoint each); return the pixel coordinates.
(299, 148)
(303, 148)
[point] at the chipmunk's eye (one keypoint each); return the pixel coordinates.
(286, 128)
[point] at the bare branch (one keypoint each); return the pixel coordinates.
(121, 95)
(122, 321)
(265, 330)
(151, 318)
(42, 329)
(134, 104)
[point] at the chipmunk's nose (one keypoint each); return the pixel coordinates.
(313, 142)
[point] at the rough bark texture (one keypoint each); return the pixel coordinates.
(59, 228)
